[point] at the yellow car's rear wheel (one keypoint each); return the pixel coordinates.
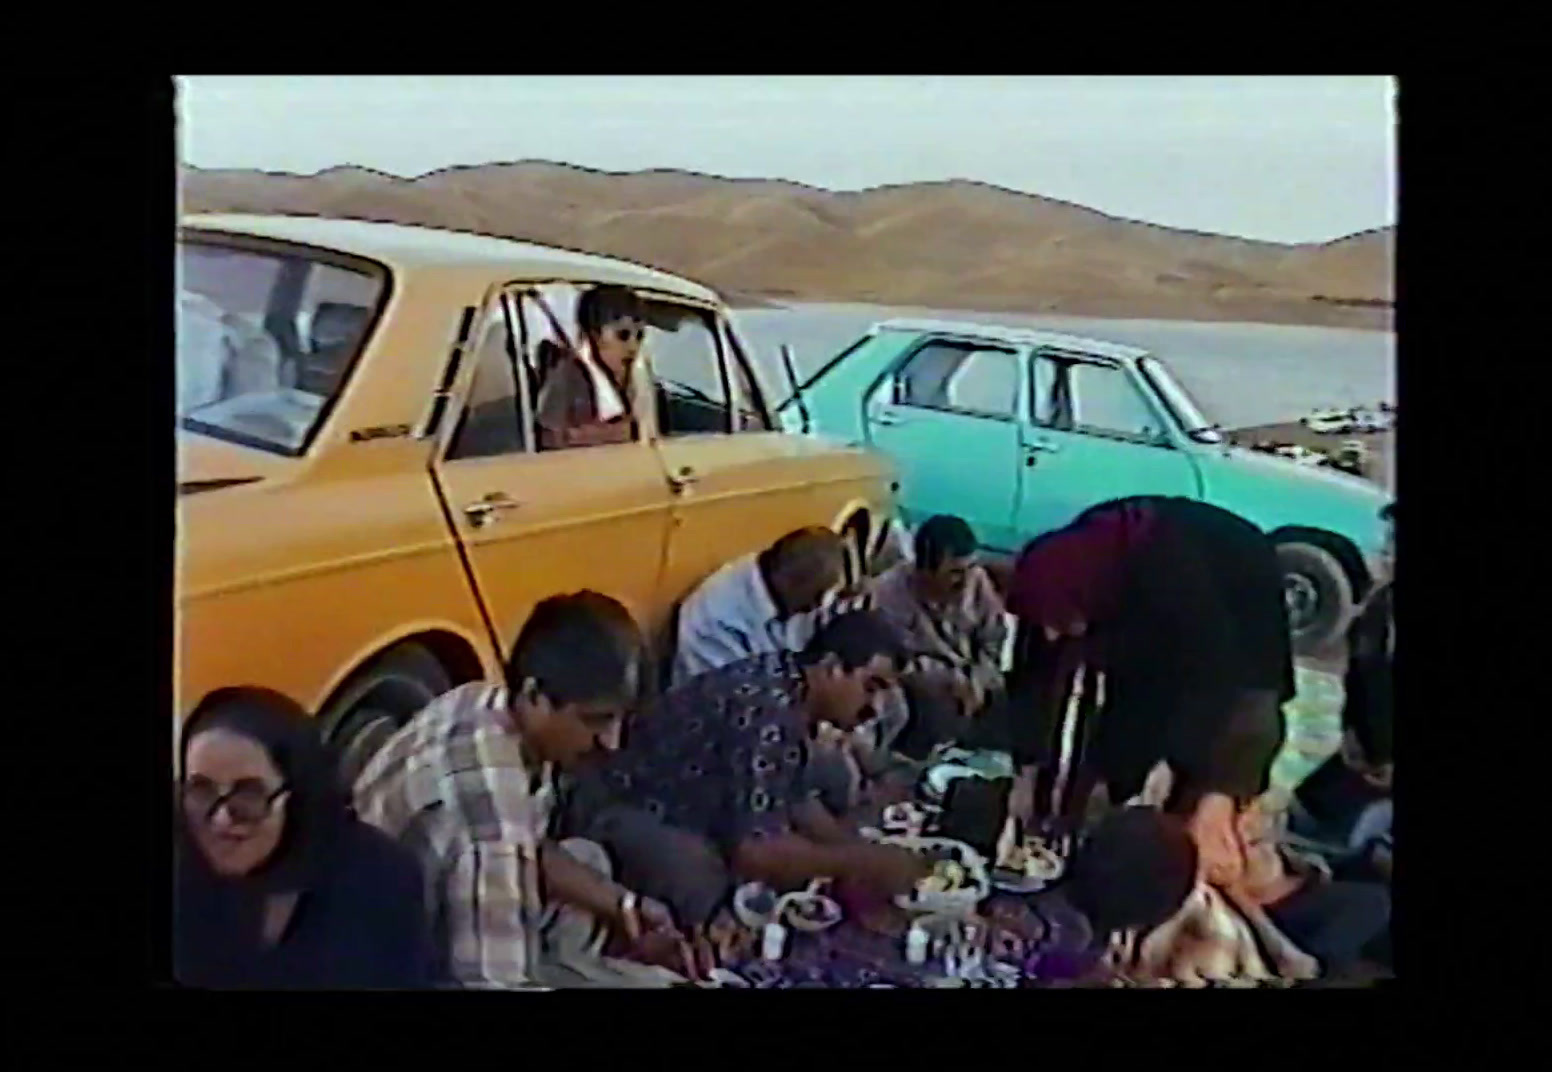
(379, 699)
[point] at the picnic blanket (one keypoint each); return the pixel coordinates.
(1041, 936)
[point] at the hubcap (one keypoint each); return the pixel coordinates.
(1302, 599)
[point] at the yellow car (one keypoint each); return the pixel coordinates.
(345, 540)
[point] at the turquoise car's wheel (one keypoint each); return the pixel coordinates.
(1317, 595)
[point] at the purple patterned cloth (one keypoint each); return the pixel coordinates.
(1041, 935)
(722, 755)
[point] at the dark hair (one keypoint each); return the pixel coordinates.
(579, 648)
(941, 537)
(316, 806)
(855, 638)
(604, 304)
(1135, 870)
(810, 548)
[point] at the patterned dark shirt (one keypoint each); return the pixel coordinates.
(720, 755)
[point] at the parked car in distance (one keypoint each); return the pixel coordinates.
(1369, 421)
(1329, 422)
(1019, 431)
(365, 517)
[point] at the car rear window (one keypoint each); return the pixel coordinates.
(266, 339)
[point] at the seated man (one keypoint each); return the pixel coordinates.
(955, 628)
(770, 602)
(467, 785)
(759, 604)
(1348, 797)
(1334, 920)
(710, 785)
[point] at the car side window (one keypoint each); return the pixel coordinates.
(687, 373)
(749, 412)
(960, 378)
(492, 422)
(1101, 399)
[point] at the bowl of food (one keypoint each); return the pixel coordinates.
(904, 819)
(754, 903)
(1027, 866)
(956, 883)
(810, 912)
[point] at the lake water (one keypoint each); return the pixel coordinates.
(1240, 374)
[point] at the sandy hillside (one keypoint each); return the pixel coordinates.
(952, 245)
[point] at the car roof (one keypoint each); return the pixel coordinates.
(1014, 336)
(428, 248)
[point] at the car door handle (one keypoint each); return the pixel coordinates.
(1041, 446)
(683, 480)
(488, 508)
(888, 419)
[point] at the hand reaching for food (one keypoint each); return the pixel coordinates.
(891, 870)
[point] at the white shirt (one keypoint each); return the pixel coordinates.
(607, 395)
(732, 616)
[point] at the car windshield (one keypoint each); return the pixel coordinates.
(265, 340)
(1191, 419)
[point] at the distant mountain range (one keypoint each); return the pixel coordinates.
(949, 245)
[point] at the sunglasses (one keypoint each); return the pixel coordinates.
(249, 801)
(630, 333)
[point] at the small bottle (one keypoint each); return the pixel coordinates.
(916, 946)
(773, 942)
(971, 957)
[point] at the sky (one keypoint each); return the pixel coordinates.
(1284, 158)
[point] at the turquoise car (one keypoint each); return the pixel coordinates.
(1019, 431)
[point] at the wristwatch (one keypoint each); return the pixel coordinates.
(629, 905)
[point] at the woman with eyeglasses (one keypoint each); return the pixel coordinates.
(278, 885)
(585, 397)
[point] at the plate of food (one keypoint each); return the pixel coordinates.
(1025, 867)
(754, 903)
(956, 883)
(810, 912)
(906, 818)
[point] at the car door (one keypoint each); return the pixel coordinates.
(946, 414)
(1091, 435)
(735, 484)
(535, 524)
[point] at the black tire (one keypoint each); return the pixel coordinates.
(377, 701)
(1318, 596)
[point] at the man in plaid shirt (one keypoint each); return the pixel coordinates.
(467, 785)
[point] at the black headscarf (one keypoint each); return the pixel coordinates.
(213, 910)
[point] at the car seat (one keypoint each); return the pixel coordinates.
(333, 337)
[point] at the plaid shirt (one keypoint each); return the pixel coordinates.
(964, 638)
(453, 786)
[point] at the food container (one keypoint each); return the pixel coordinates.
(906, 819)
(959, 902)
(809, 912)
(755, 904)
(773, 944)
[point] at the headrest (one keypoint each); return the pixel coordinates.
(337, 324)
